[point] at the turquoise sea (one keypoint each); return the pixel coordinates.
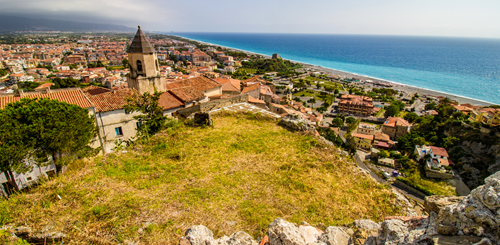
(466, 67)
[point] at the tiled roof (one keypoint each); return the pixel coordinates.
(363, 136)
(382, 137)
(186, 94)
(112, 100)
(169, 101)
(69, 95)
(202, 83)
(94, 90)
(250, 88)
(254, 100)
(396, 121)
(439, 151)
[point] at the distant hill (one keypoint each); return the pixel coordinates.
(16, 23)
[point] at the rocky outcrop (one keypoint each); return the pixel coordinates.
(436, 203)
(477, 214)
(297, 123)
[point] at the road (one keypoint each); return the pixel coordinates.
(408, 194)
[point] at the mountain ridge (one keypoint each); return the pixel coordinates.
(9, 23)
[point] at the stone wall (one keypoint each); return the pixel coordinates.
(212, 105)
(438, 175)
(406, 187)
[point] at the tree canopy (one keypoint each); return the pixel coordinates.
(151, 119)
(42, 128)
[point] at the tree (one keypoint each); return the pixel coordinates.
(321, 109)
(399, 104)
(450, 141)
(350, 120)
(336, 91)
(391, 111)
(125, 63)
(430, 106)
(337, 122)
(411, 117)
(383, 154)
(45, 128)
(151, 118)
(312, 101)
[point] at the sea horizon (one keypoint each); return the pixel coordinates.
(466, 74)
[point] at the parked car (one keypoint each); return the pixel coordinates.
(386, 175)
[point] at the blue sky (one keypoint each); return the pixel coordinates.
(465, 18)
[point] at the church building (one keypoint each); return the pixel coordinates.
(144, 73)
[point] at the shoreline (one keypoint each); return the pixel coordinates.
(395, 85)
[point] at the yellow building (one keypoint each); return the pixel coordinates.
(363, 141)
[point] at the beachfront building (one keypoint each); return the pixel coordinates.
(356, 105)
(395, 127)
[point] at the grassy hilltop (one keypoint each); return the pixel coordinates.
(239, 174)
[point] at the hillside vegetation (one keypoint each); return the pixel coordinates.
(240, 174)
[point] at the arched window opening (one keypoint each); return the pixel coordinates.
(139, 66)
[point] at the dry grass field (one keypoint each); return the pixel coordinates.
(240, 174)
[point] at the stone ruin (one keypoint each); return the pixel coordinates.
(473, 219)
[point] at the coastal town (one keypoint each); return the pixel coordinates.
(373, 120)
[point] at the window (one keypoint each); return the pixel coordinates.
(139, 66)
(119, 131)
(138, 124)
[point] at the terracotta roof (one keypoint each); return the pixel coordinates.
(382, 137)
(255, 101)
(202, 83)
(140, 44)
(396, 121)
(186, 94)
(94, 90)
(73, 96)
(169, 101)
(439, 151)
(356, 100)
(45, 85)
(229, 84)
(364, 136)
(112, 100)
(250, 88)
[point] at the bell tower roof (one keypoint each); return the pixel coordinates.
(140, 44)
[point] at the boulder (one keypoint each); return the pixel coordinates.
(310, 234)
(335, 236)
(199, 235)
(364, 228)
(240, 238)
(436, 203)
(282, 232)
(392, 232)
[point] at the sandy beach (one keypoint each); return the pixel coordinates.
(394, 85)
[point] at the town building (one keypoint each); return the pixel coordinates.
(395, 127)
(355, 105)
(435, 160)
(363, 141)
(364, 128)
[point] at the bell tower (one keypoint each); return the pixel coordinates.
(144, 73)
